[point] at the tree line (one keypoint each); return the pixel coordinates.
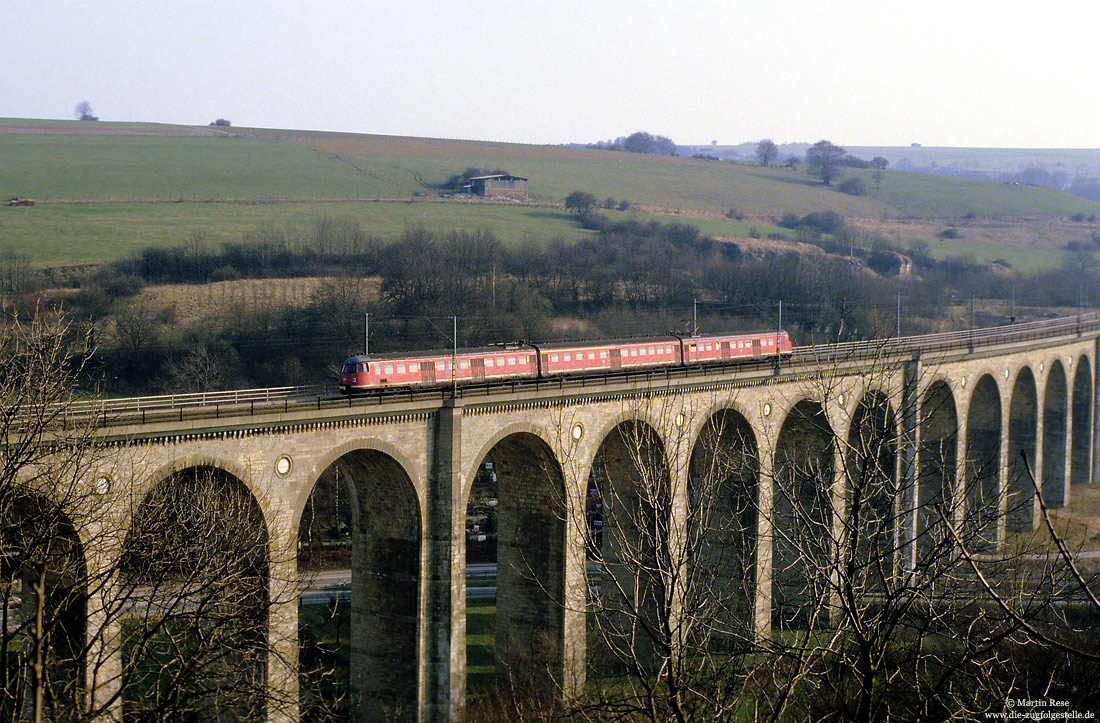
(628, 277)
(639, 142)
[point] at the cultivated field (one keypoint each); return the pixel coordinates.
(197, 304)
(105, 190)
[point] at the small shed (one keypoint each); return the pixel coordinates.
(498, 185)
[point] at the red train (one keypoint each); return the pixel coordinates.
(361, 373)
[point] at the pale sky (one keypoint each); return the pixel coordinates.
(875, 72)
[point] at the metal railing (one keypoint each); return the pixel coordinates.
(201, 399)
(213, 405)
(970, 339)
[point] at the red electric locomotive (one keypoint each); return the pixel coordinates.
(363, 373)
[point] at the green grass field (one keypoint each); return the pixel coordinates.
(283, 166)
(126, 168)
(56, 234)
(480, 641)
(107, 190)
(920, 195)
(72, 233)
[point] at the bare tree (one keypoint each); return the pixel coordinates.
(15, 272)
(875, 603)
(43, 572)
(196, 642)
(886, 599)
(825, 160)
(670, 528)
(879, 163)
(766, 151)
(167, 623)
(84, 111)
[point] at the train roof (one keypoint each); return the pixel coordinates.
(550, 346)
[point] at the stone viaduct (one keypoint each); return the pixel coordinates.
(957, 409)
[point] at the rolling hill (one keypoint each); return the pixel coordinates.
(104, 190)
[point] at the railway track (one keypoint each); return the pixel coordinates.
(213, 405)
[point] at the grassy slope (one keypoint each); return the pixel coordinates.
(122, 167)
(46, 167)
(663, 183)
(56, 234)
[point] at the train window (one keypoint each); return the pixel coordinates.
(692, 347)
(553, 357)
(400, 368)
(440, 366)
(464, 364)
(568, 357)
(603, 355)
(511, 361)
(348, 368)
(414, 367)
(389, 368)
(591, 355)
(642, 351)
(489, 361)
(708, 348)
(652, 350)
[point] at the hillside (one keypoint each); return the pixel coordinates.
(989, 163)
(104, 190)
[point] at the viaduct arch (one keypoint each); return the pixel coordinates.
(790, 451)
